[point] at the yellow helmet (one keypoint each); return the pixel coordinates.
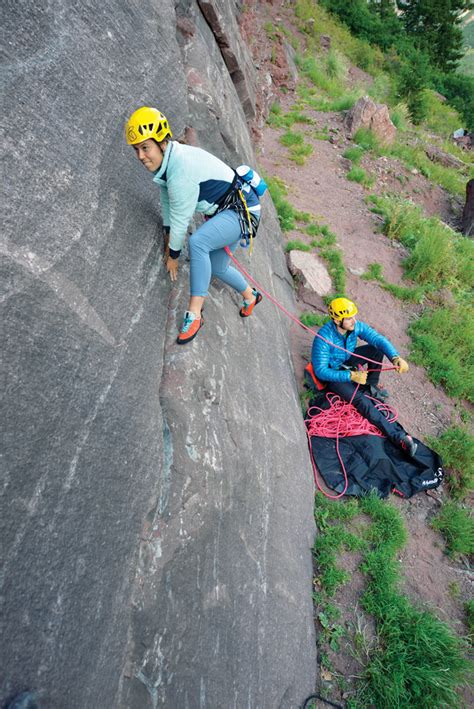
(147, 123)
(341, 308)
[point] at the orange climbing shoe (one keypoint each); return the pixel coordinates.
(190, 328)
(247, 307)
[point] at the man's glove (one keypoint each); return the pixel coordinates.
(359, 377)
(400, 364)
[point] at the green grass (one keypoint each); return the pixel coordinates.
(415, 294)
(456, 524)
(337, 271)
(313, 319)
(414, 157)
(358, 174)
(415, 660)
(399, 117)
(359, 52)
(366, 139)
(299, 150)
(443, 343)
(354, 154)
(456, 448)
(441, 118)
(439, 257)
(287, 215)
(469, 608)
(296, 245)
(290, 139)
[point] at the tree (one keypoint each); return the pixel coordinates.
(412, 81)
(435, 27)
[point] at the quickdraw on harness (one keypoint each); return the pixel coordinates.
(235, 199)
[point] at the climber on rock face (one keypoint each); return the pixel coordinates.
(192, 180)
(342, 371)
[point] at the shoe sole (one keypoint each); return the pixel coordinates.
(190, 339)
(258, 300)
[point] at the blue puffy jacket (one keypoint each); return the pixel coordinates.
(326, 359)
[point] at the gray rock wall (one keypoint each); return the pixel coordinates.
(156, 501)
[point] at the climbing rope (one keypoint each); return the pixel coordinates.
(340, 421)
(340, 412)
(292, 317)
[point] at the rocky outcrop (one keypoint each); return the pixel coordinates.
(157, 507)
(375, 117)
(467, 222)
(309, 272)
(435, 154)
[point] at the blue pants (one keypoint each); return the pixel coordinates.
(208, 258)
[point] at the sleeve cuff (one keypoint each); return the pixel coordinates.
(174, 254)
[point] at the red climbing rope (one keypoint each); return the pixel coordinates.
(292, 317)
(341, 419)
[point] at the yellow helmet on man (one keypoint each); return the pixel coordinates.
(145, 123)
(341, 308)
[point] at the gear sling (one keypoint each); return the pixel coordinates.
(234, 199)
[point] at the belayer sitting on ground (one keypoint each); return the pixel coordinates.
(192, 180)
(339, 369)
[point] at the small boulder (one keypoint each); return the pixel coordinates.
(375, 116)
(309, 270)
(325, 42)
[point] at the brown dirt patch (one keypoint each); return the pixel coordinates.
(320, 187)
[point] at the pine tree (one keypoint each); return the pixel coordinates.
(435, 26)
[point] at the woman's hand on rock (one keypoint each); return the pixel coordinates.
(172, 267)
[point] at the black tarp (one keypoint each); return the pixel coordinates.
(372, 462)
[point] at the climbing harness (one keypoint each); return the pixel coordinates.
(234, 199)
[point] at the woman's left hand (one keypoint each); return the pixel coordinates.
(172, 267)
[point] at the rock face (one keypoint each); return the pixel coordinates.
(467, 222)
(156, 516)
(367, 114)
(311, 273)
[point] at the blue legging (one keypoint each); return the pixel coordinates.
(208, 258)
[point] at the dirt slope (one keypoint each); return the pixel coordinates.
(320, 187)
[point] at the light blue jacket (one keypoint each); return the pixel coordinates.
(326, 359)
(193, 180)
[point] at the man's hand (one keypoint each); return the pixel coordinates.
(359, 377)
(401, 365)
(172, 267)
